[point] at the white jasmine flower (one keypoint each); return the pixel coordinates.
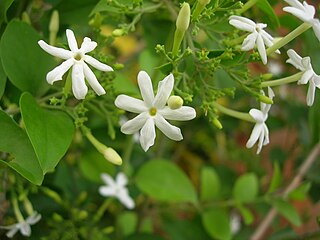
(117, 189)
(23, 227)
(304, 12)
(260, 131)
(153, 111)
(77, 59)
(309, 76)
(235, 223)
(257, 35)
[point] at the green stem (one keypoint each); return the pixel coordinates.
(126, 167)
(288, 38)
(102, 209)
(16, 209)
(246, 6)
(197, 11)
(233, 113)
(282, 81)
(178, 37)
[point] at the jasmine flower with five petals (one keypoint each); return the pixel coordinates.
(153, 111)
(77, 59)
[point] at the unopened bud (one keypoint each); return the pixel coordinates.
(112, 156)
(54, 22)
(175, 102)
(217, 123)
(204, 2)
(25, 18)
(265, 99)
(267, 76)
(183, 19)
(118, 32)
(118, 66)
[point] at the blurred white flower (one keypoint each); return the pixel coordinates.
(260, 131)
(309, 76)
(257, 35)
(153, 111)
(275, 68)
(235, 223)
(77, 59)
(23, 227)
(304, 12)
(117, 189)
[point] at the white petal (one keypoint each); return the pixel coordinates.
(169, 130)
(266, 135)
(92, 80)
(261, 49)
(316, 80)
(294, 3)
(57, 73)
(121, 179)
(295, 60)
(316, 28)
(54, 51)
(72, 42)
(164, 90)
(311, 93)
(260, 141)
(96, 64)
(34, 218)
(298, 13)
(134, 125)
(79, 87)
(249, 41)
(147, 134)
(255, 134)
(125, 199)
(267, 39)
(309, 10)
(12, 232)
(107, 191)
(242, 23)
(271, 94)
(25, 229)
(306, 77)
(130, 104)
(87, 45)
(306, 63)
(107, 179)
(184, 113)
(146, 89)
(257, 115)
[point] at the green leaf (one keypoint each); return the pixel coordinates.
(246, 214)
(3, 80)
(216, 221)
(276, 178)
(287, 211)
(124, 85)
(16, 142)
(127, 223)
(4, 6)
(245, 189)
(164, 181)
(210, 184)
(300, 192)
(265, 6)
(24, 62)
(50, 131)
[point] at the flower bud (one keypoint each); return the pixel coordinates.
(175, 102)
(54, 22)
(204, 2)
(112, 156)
(118, 32)
(217, 123)
(267, 76)
(183, 19)
(25, 18)
(265, 99)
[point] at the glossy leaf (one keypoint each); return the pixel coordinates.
(164, 181)
(16, 142)
(246, 188)
(50, 131)
(287, 211)
(24, 62)
(216, 221)
(210, 184)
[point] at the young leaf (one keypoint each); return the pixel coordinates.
(210, 184)
(15, 141)
(300, 192)
(287, 211)
(246, 214)
(216, 221)
(276, 178)
(164, 181)
(24, 62)
(245, 189)
(50, 132)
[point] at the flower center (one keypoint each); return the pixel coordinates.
(152, 111)
(77, 56)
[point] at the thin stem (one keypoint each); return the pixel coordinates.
(294, 78)
(262, 228)
(247, 6)
(288, 38)
(102, 209)
(233, 113)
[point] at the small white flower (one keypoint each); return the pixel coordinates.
(153, 111)
(304, 12)
(235, 223)
(260, 130)
(117, 189)
(77, 59)
(309, 76)
(23, 227)
(257, 35)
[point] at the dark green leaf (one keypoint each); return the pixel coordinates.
(3, 80)
(246, 188)
(287, 211)
(50, 132)
(216, 221)
(127, 223)
(265, 6)
(15, 141)
(24, 62)
(164, 181)
(4, 6)
(210, 184)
